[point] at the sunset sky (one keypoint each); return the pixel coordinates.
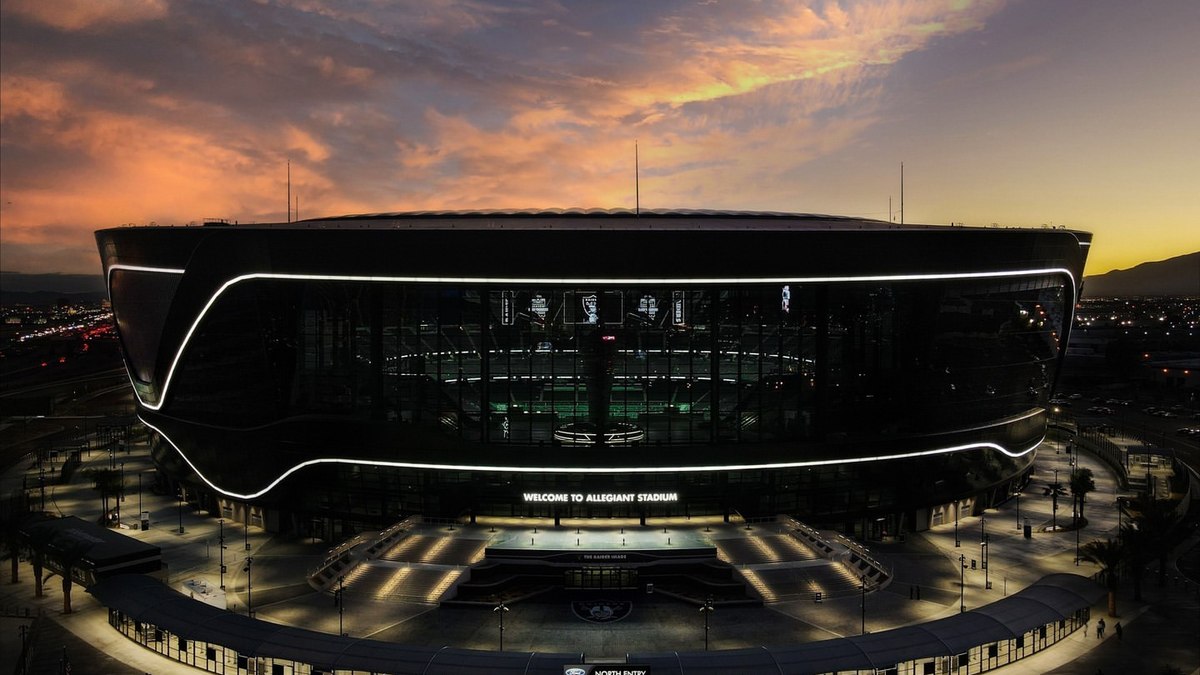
(1076, 113)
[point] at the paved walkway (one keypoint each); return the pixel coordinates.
(1161, 626)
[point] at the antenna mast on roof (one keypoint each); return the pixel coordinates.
(637, 187)
(901, 193)
(289, 191)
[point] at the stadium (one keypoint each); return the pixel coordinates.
(336, 375)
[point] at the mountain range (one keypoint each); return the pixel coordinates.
(47, 289)
(1178, 276)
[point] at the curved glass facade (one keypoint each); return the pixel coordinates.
(358, 369)
(623, 366)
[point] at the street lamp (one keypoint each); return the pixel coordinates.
(864, 604)
(341, 604)
(180, 509)
(249, 603)
(1018, 506)
(1077, 542)
(120, 492)
(962, 583)
(707, 609)
(982, 539)
(957, 542)
(986, 545)
(502, 609)
(1054, 503)
(221, 545)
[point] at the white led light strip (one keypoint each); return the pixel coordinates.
(567, 281)
(576, 469)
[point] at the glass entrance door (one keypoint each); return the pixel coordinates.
(601, 577)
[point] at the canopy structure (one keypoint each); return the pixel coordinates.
(1055, 597)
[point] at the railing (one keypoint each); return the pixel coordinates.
(856, 558)
(342, 557)
(1108, 452)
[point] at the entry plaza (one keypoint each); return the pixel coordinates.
(801, 586)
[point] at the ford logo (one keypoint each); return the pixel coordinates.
(575, 671)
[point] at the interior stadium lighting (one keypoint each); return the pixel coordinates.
(534, 281)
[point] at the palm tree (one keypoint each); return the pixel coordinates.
(1108, 554)
(69, 554)
(1082, 482)
(1154, 522)
(1054, 491)
(108, 482)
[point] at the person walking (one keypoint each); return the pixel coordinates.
(1118, 630)
(1100, 629)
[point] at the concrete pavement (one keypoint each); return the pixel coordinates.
(929, 561)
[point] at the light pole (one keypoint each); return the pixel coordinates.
(341, 605)
(864, 604)
(957, 541)
(987, 552)
(221, 544)
(1018, 506)
(249, 603)
(1077, 542)
(707, 609)
(962, 583)
(501, 609)
(120, 492)
(246, 529)
(982, 539)
(180, 509)
(1054, 503)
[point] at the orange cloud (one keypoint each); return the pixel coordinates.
(75, 15)
(30, 97)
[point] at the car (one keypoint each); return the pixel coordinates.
(1189, 431)
(1074, 397)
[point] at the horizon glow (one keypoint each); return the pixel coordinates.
(1070, 113)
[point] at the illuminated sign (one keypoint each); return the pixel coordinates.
(677, 312)
(539, 306)
(648, 305)
(600, 497)
(591, 307)
(605, 669)
(785, 299)
(506, 308)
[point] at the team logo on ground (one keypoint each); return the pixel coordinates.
(601, 611)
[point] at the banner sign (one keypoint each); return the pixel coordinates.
(600, 497)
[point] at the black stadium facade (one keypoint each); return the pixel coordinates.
(334, 375)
